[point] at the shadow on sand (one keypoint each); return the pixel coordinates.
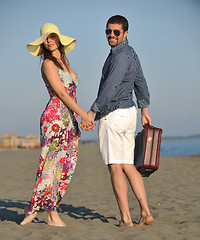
(9, 212)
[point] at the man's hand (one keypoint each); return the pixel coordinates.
(145, 118)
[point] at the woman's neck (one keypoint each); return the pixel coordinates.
(56, 54)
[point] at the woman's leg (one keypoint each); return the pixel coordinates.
(54, 219)
(137, 185)
(120, 190)
(28, 217)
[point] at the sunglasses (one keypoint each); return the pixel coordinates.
(116, 32)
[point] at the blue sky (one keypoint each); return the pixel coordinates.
(164, 33)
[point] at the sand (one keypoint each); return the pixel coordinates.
(89, 208)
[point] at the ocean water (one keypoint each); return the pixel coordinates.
(180, 147)
(173, 147)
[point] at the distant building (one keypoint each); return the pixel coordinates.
(9, 141)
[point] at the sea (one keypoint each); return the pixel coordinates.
(180, 147)
(174, 146)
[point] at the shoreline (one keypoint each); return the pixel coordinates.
(90, 144)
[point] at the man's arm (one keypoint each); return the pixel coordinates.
(142, 95)
(109, 89)
(145, 118)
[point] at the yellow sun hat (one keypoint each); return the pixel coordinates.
(46, 29)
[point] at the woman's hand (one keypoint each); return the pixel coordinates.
(87, 122)
(79, 135)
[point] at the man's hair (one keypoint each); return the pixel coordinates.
(119, 20)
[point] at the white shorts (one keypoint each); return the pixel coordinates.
(116, 136)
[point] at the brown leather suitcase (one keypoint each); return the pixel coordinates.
(147, 150)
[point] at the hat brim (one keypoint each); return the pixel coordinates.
(68, 43)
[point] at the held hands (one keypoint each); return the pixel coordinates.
(145, 118)
(87, 122)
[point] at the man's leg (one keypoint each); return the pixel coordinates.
(137, 185)
(120, 189)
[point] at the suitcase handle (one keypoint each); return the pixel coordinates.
(151, 126)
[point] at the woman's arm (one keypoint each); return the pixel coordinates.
(50, 73)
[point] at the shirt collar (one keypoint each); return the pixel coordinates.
(119, 46)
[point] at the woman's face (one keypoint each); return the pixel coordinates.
(52, 42)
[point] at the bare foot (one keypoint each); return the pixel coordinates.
(28, 218)
(123, 224)
(57, 224)
(146, 220)
(54, 220)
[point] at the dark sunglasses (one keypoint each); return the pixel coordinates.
(116, 32)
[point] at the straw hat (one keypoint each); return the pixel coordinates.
(46, 29)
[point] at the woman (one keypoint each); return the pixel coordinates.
(58, 124)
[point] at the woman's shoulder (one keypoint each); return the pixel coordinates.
(48, 64)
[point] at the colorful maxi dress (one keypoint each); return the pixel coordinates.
(59, 149)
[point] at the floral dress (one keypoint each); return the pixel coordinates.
(59, 149)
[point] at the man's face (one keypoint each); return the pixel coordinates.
(114, 40)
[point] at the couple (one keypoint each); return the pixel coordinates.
(114, 108)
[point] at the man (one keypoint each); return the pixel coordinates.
(117, 115)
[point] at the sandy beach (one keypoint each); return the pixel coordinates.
(89, 208)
